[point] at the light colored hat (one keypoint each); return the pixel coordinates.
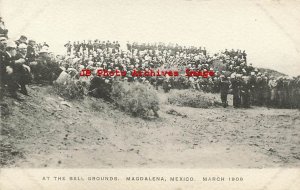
(11, 44)
(22, 46)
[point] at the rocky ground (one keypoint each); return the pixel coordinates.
(48, 131)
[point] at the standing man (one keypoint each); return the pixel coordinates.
(224, 87)
(69, 47)
(252, 86)
(235, 85)
(273, 88)
(245, 92)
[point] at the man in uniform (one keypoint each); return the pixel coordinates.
(224, 87)
(273, 88)
(259, 89)
(235, 85)
(281, 92)
(252, 85)
(245, 92)
(167, 84)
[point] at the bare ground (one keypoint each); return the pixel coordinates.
(46, 131)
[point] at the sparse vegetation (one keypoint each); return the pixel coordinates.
(192, 98)
(70, 90)
(136, 99)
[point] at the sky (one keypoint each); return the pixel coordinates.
(268, 29)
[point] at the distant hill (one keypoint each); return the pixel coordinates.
(271, 72)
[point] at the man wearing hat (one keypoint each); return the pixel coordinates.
(22, 39)
(23, 71)
(9, 67)
(224, 87)
(252, 86)
(167, 84)
(31, 51)
(3, 42)
(235, 85)
(259, 89)
(245, 92)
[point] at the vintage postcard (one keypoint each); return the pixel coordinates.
(149, 94)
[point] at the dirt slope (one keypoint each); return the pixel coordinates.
(47, 131)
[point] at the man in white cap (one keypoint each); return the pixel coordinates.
(224, 88)
(9, 65)
(235, 85)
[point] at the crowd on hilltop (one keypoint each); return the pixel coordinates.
(25, 61)
(21, 61)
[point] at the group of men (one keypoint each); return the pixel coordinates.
(232, 72)
(24, 60)
(89, 46)
(261, 90)
(21, 61)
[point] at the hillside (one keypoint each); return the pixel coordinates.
(47, 131)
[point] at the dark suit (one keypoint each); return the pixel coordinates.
(30, 53)
(23, 76)
(9, 79)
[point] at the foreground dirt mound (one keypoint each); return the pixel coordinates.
(48, 131)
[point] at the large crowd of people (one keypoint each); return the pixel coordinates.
(25, 61)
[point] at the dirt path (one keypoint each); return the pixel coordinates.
(45, 131)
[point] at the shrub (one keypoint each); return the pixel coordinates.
(71, 89)
(135, 98)
(192, 98)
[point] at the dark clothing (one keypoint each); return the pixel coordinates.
(46, 70)
(236, 93)
(11, 80)
(259, 89)
(166, 86)
(224, 87)
(24, 77)
(245, 94)
(100, 89)
(31, 56)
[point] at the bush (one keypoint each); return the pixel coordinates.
(71, 89)
(192, 98)
(135, 98)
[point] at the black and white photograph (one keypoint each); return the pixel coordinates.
(115, 85)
